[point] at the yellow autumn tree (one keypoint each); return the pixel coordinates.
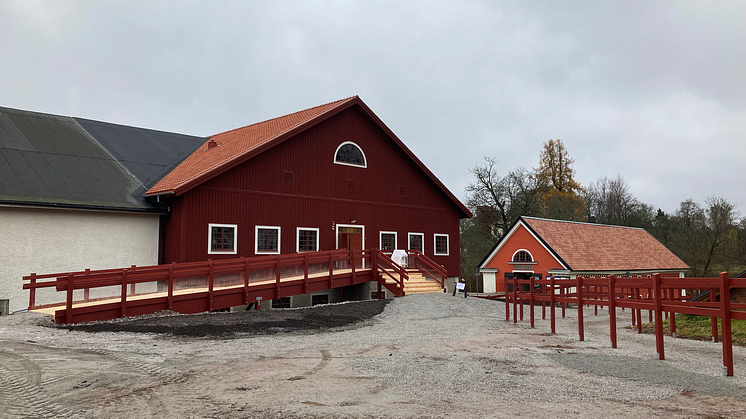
(559, 191)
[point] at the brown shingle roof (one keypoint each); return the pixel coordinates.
(598, 247)
(237, 143)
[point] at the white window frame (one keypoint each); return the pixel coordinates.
(222, 252)
(364, 166)
(512, 258)
(380, 240)
(256, 240)
(422, 235)
(297, 239)
(435, 244)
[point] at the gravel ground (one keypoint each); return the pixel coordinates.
(429, 355)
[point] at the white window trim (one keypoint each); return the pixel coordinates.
(222, 252)
(256, 240)
(512, 258)
(365, 159)
(297, 239)
(416, 234)
(435, 245)
(380, 239)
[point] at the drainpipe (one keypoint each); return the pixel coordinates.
(165, 218)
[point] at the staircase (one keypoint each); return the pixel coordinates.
(418, 284)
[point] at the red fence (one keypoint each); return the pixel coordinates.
(661, 296)
(208, 285)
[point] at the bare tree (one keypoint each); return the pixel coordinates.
(502, 198)
(609, 201)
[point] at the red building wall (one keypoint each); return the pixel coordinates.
(521, 239)
(391, 194)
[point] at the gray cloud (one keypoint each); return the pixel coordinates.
(654, 91)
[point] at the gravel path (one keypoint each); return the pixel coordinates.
(429, 355)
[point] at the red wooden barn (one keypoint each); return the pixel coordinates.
(541, 247)
(333, 176)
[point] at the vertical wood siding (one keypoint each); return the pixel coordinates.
(255, 193)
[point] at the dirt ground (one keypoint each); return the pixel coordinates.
(418, 356)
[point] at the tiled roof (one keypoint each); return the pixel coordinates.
(235, 144)
(598, 247)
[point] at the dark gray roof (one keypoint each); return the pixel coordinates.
(53, 161)
(146, 153)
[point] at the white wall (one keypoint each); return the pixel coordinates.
(44, 241)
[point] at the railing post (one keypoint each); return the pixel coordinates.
(531, 299)
(551, 303)
(69, 302)
(278, 277)
(515, 299)
(331, 269)
(727, 338)
(638, 297)
(87, 291)
(507, 298)
(714, 319)
(32, 292)
(210, 280)
(305, 273)
(352, 265)
(612, 310)
(579, 295)
(123, 302)
(246, 281)
(658, 316)
(171, 286)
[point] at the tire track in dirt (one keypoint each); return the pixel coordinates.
(21, 393)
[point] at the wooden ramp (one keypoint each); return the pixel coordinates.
(212, 285)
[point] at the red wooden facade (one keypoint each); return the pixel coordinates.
(296, 183)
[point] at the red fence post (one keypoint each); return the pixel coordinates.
(714, 319)
(551, 302)
(507, 299)
(305, 273)
(69, 303)
(32, 292)
(210, 280)
(638, 297)
(87, 291)
(658, 316)
(123, 302)
(727, 338)
(579, 294)
(531, 299)
(278, 277)
(171, 286)
(612, 310)
(515, 300)
(246, 282)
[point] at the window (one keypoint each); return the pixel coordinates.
(348, 153)
(283, 302)
(417, 242)
(522, 256)
(374, 295)
(222, 239)
(287, 178)
(308, 240)
(388, 241)
(319, 299)
(441, 244)
(267, 239)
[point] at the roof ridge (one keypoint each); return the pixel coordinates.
(581, 222)
(282, 116)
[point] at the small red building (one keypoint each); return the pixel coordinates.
(540, 247)
(333, 176)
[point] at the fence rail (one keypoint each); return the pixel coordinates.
(207, 285)
(660, 296)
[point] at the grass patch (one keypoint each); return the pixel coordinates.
(699, 328)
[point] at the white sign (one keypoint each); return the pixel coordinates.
(461, 286)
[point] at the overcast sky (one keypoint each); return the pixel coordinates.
(652, 90)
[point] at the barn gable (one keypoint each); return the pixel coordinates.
(229, 149)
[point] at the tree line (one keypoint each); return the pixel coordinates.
(710, 237)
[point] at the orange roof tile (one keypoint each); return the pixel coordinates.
(598, 247)
(235, 144)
